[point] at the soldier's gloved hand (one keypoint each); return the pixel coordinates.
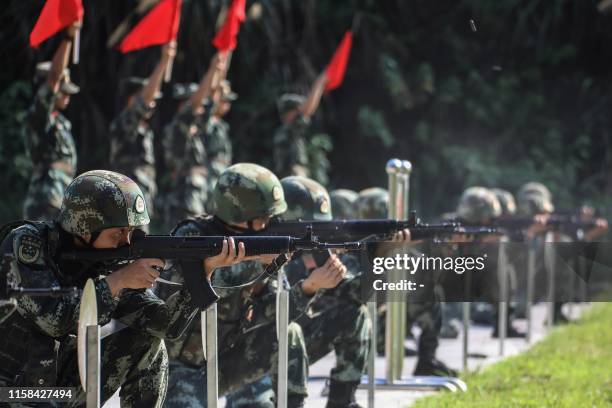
(227, 257)
(325, 277)
(140, 274)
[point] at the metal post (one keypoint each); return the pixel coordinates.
(212, 363)
(530, 283)
(93, 367)
(550, 255)
(466, 332)
(372, 356)
(502, 318)
(283, 340)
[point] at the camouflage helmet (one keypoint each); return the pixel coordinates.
(306, 199)
(478, 205)
(246, 191)
(373, 203)
(288, 102)
(344, 203)
(534, 187)
(101, 199)
(534, 198)
(506, 200)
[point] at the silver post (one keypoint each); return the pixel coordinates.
(212, 359)
(372, 356)
(530, 282)
(549, 250)
(93, 367)
(283, 340)
(76, 47)
(502, 318)
(466, 332)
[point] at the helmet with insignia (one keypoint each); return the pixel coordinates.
(506, 200)
(101, 199)
(373, 203)
(306, 199)
(534, 198)
(344, 203)
(478, 205)
(246, 191)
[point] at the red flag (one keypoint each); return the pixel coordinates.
(158, 27)
(226, 38)
(55, 16)
(337, 66)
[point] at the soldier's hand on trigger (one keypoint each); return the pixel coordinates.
(601, 228)
(140, 274)
(539, 225)
(325, 277)
(228, 256)
(401, 236)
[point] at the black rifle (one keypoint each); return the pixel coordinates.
(566, 222)
(192, 250)
(338, 231)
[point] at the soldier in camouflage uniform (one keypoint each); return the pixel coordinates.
(372, 203)
(184, 150)
(100, 210)
(344, 204)
(245, 198)
(131, 136)
(290, 140)
(336, 320)
(215, 134)
(48, 136)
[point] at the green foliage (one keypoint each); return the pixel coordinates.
(14, 164)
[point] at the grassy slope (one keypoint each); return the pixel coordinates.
(572, 367)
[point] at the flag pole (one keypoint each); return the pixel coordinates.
(76, 47)
(168, 72)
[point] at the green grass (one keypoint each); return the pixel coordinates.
(572, 367)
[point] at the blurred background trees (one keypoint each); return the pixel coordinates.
(526, 96)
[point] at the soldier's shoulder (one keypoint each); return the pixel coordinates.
(193, 226)
(27, 243)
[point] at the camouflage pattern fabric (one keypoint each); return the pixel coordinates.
(247, 183)
(336, 320)
(218, 146)
(52, 150)
(306, 199)
(478, 205)
(506, 200)
(185, 157)
(246, 324)
(290, 152)
(101, 199)
(132, 148)
(373, 203)
(344, 204)
(134, 358)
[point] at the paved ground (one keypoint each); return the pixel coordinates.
(450, 351)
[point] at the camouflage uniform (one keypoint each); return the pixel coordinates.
(336, 320)
(185, 157)
(51, 148)
(246, 317)
(290, 150)
(40, 349)
(132, 148)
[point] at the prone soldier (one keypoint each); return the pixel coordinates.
(48, 136)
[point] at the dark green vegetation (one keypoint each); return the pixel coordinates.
(570, 368)
(526, 96)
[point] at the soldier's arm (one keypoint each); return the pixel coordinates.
(311, 104)
(152, 87)
(61, 58)
(55, 316)
(210, 80)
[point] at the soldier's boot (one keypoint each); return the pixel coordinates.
(342, 394)
(558, 316)
(431, 366)
(295, 400)
(511, 332)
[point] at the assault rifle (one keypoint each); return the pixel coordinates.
(571, 222)
(192, 250)
(338, 231)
